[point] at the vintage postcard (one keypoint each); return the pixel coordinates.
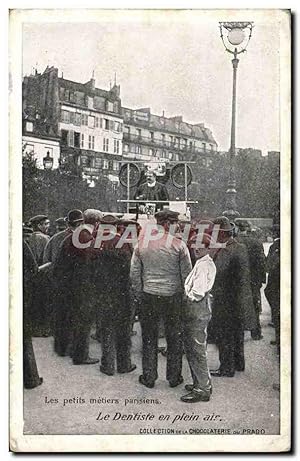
(150, 201)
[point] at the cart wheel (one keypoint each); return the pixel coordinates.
(134, 174)
(178, 175)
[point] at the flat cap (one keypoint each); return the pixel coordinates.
(37, 219)
(92, 216)
(242, 223)
(109, 219)
(167, 215)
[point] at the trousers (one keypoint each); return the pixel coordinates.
(169, 308)
(196, 317)
(114, 314)
(231, 348)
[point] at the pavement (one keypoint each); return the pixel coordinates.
(81, 400)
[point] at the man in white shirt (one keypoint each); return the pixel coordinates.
(196, 317)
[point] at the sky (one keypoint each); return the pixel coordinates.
(171, 62)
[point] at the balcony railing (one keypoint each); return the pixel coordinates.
(162, 143)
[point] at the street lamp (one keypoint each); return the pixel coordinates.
(235, 37)
(48, 162)
(48, 165)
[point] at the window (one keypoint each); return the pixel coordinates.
(116, 146)
(151, 136)
(77, 119)
(184, 143)
(151, 152)
(109, 106)
(110, 164)
(29, 126)
(76, 139)
(139, 132)
(91, 121)
(106, 124)
(115, 166)
(171, 140)
(90, 142)
(64, 137)
(163, 138)
(90, 162)
(93, 142)
(177, 141)
(117, 126)
(191, 145)
(126, 147)
(170, 155)
(211, 147)
(65, 116)
(116, 107)
(82, 140)
(96, 122)
(84, 119)
(105, 144)
(138, 149)
(105, 164)
(72, 96)
(127, 129)
(204, 146)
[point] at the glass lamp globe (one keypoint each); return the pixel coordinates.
(236, 36)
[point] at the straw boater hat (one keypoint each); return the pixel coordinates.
(224, 224)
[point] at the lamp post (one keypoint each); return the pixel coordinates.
(235, 37)
(48, 165)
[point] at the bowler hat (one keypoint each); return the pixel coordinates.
(167, 215)
(109, 219)
(224, 224)
(74, 216)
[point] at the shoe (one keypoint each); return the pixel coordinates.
(128, 370)
(219, 374)
(96, 338)
(88, 361)
(240, 368)
(162, 350)
(195, 396)
(106, 372)
(190, 388)
(146, 383)
(257, 337)
(32, 386)
(176, 383)
(273, 343)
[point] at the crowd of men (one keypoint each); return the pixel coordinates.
(87, 274)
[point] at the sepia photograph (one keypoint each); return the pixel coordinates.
(150, 201)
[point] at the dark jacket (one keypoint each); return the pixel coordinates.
(30, 270)
(272, 290)
(256, 256)
(158, 192)
(232, 295)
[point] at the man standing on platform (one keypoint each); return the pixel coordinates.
(152, 190)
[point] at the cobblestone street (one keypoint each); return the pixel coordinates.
(241, 404)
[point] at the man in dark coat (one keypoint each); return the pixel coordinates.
(152, 190)
(233, 310)
(111, 280)
(41, 301)
(272, 290)
(257, 263)
(74, 316)
(31, 376)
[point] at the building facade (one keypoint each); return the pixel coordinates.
(90, 132)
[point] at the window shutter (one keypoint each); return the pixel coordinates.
(71, 138)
